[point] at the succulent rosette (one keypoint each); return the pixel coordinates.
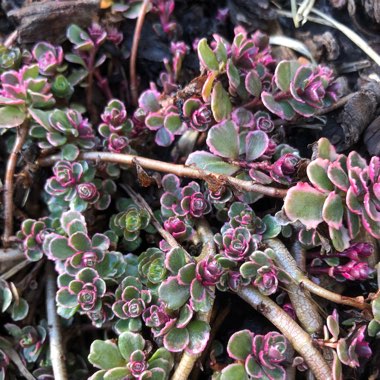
(177, 227)
(131, 301)
(198, 114)
(129, 358)
(256, 356)
(31, 235)
(129, 222)
(81, 294)
(30, 339)
(48, 57)
(194, 202)
(242, 215)
(236, 244)
(74, 185)
(284, 168)
(208, 271)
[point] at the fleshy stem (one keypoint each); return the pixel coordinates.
(188, 361)
(22, 133)
(179, 170)
(300, 340)
(11, 254)
(135, 45)
(284, 259)
(57, 355)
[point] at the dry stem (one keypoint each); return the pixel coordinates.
(135, 45)
(300, 340)
(179, 170)
(11, 254)
(57, 355)
(22, 133)
(284, 259)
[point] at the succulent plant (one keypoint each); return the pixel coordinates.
(48, 57)
(10, 58)
(131, 301)
(256, 356)
(129, 222)
(129, 358)
(83, 293)
(342, 194)
(31, 340)
(74, 185)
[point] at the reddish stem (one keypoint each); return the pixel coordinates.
(135, 45)
(22, 133)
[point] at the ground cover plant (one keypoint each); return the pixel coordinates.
(169, 220)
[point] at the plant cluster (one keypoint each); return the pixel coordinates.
(147, 271)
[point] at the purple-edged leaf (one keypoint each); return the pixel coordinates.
(154, 121)
(190, 106)
(206, 56)
(302, 108)
(280, 108)
(173, 122)
(80, 242)
(234, 372)
(70, 152)
(326, 150)
(11, 116)
(207, 86)
(65, 298)
(304, 203)
(129, 342)
(105, 355)
(332, 212)
(284, 73)
(197, 291)
(176, 340)
(256, 143)
(173, 294)
(59, 248)
(370, 225)
(10, 101)
(148, 101)
(240, 345)
(338, 176)
(340, 238)
(199, 334)
(207, 161)
(221, 106)
(233, 74)
(175, 260)
(223, 140)
(353, 223)
(317, 173)
(186, 274)
(352, 202)
(41, 117)
(100, 241)
(253, 83)
(164, 137)
(184, 317)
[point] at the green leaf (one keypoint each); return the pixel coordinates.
(176, 340)
(234, 372)
(240, 345)
(332, 212)
(326, 150)
(173, 294)
(221, 106)
(11, 116)
(207, 161)
(199, 333)
(60, 249)
(256, 143)
(339, 238)
(19, 310)
(105, 355)
(317, 173)
(304, 203)
(41, 117)
(253, 83)
(207, 56)
(176, 259)
(70, 152)
(281, 108)
(129, 342)
(273, 228)
(5, 298)
(223, 140)
(284, 73)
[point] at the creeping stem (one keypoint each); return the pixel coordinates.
(300, 339)
(285, 260)
(22, 133)
(135, 45)
(179, 170)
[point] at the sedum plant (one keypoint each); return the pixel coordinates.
(141, 277)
